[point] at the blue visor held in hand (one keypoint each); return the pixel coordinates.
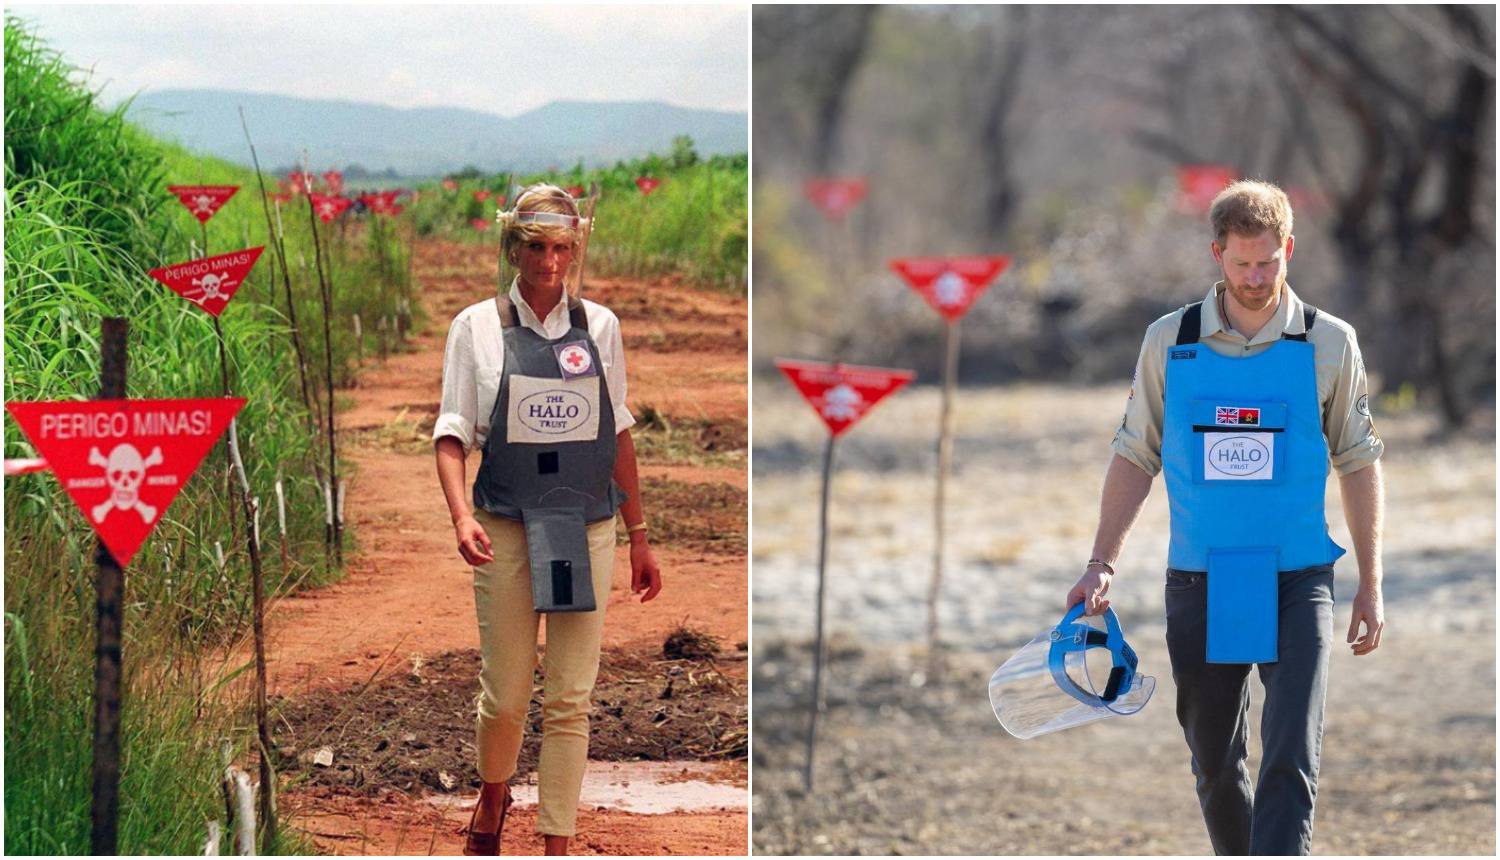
(1047, 686)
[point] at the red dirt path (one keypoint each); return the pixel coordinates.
(407, 592)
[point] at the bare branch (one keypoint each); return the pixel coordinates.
(1363, 67)
(1441, 40)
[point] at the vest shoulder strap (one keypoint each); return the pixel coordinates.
(576, 315)
(1309, 316)
(1191, 325)
(509, 317)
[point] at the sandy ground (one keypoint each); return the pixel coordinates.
(909, 765)
(408, 593)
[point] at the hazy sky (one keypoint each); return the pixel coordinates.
(498, 59)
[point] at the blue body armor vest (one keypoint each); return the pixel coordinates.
(1246, 464)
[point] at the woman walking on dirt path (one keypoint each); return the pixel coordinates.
(535, 378)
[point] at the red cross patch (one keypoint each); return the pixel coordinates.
(574, 359)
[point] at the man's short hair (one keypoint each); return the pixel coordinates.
(1250, 207)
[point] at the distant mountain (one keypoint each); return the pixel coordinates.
(429, 141)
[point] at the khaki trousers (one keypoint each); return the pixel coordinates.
(508, 645)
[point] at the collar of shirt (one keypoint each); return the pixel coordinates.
(554, 326)
(1288, 318)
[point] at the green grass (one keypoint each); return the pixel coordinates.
(693, 226)
(87, 215)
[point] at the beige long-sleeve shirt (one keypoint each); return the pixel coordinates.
(1343, 390)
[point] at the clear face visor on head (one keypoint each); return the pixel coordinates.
(581, 224)
(1051, 684)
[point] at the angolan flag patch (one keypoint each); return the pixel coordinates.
(1236, 415)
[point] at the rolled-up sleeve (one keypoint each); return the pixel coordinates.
(612, 353)
(1139, 437)
(460, 404)
(1353, 443)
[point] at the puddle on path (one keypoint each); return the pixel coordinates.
(643, 788)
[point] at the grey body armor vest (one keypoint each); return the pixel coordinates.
(549, 459)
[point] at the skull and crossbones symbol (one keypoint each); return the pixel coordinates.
(203, 203)
(842, 403)
(212, 286)
(327, 209)
(124, 470)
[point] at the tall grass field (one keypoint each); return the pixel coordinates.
(693, 226)
(87, 215)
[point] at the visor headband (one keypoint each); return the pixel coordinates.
(1072, 635)
(556, 219)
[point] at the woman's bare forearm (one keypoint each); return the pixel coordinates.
(627, 476)
(450, 469)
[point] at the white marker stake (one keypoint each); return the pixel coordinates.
(342, 485)
(255, 530)
(279, 234)
(219, 554)
(327, 505)
(358, 331)
(280, 508)
(234, 453)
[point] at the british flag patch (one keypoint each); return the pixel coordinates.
(1238, 415)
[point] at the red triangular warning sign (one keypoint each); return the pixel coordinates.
(481, 195)
(210, 282)
(647, 184)
(335, 181)
(329, 206)
(1307, 201)
(479, 224)
(124, 461)
(1199, 184)
(382, 202)
(842, 393)
(575, 190)
(203, 200)
(950, 284)
(835, 196)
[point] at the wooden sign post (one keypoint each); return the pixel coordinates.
(950, 285)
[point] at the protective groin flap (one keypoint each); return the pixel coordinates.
(557, 543)
(1242, 605)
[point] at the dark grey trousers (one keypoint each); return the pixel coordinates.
(1213, 703)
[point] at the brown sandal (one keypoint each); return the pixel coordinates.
(486, 844)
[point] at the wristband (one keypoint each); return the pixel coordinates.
(1108, 568)
(638, 527)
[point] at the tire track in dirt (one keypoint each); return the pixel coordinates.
(407, 594)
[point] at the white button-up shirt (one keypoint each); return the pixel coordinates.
(475, 357)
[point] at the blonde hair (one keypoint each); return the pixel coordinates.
(542, 197)
(1250, 207)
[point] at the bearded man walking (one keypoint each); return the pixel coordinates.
(1244, 400)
